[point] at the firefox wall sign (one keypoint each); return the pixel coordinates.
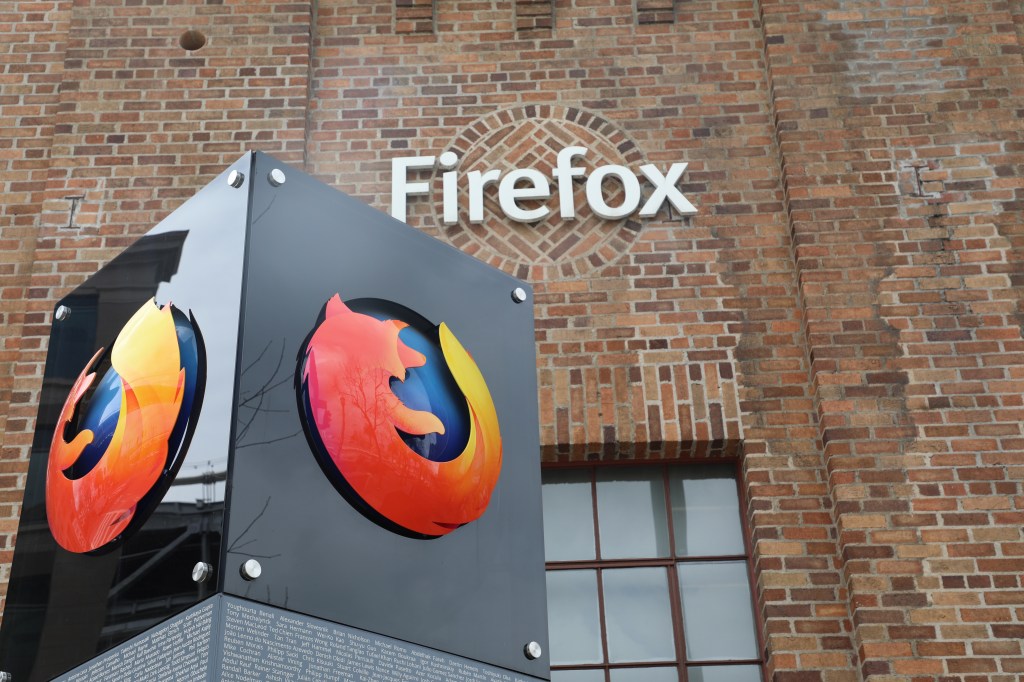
(120, 438)
(399, 417)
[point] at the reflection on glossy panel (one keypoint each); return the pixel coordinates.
(128, 436)
(717, 612)
(631, 513)
(637, 615)
(63, 607)
(706, 511)
(568, 515)
(420, 469)
(573, 617)
(645, 674)
(724, 673)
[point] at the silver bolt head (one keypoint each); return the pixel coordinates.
(6, 677)
(201, 572)
(519, 294)
(276, 177)
(533, 651)
(235, 179)
(251, 569)
(61, 313)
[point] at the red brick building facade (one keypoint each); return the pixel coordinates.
(843, 313)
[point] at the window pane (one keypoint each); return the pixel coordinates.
(718, 619)
(645, 675)
(706, 511)
(724, 673)
(638, 616)
(573, 617)
(631, 513)
(568, 515)
(577, 676)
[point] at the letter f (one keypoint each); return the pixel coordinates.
(401, 188)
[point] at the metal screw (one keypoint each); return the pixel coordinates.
(533, 651)
(276, 177)
(519, 294)
(62, 314)
(235, 179)
(201, 571)
(251, 569)
(6, 677)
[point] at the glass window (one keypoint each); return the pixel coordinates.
(574, 622)
(717, 614)
(592, 675)
(568, 515)
(648, 575)
(638, 615)
(645, 675)
(725, 673)
(631, 513)
(706, 511)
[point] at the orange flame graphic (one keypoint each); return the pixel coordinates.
(350, 361)
(87, 513)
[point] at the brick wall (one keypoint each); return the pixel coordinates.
(843, 311)
(32, 48)
(642, 342)
(901, 140)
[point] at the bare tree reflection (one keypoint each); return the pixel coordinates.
(237, 544)
(251, 407)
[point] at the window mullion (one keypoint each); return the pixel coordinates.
(673, 581)
(593, 505)
(711, 557)
(677, 622)
(600, 581)
(615, 563)
(600, 612)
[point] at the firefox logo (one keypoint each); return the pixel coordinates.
(121, 439)
(399, 417)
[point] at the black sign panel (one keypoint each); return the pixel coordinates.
(88, 577)
(287, 376)
(476, 591)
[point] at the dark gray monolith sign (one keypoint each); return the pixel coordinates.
(326, 417)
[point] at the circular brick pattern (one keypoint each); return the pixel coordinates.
(531, 137)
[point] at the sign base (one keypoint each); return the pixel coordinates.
(229, 639)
